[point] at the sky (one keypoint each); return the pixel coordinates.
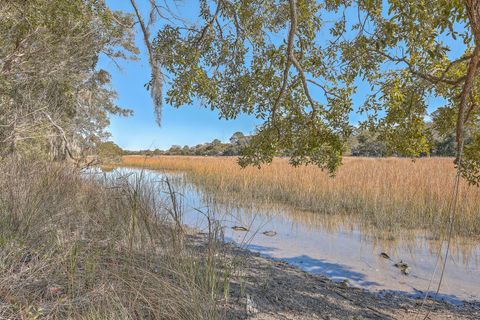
(189, 125)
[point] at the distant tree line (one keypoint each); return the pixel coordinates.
(363, 143)
(215, 148)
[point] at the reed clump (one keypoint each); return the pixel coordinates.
(74, 247)
(383, 193)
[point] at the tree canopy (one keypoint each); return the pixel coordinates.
(297, 64)
(301, 66)
(54, 101)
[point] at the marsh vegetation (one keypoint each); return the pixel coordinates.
(337, 236)
(385, 195)
(115, 246)
(80, 247)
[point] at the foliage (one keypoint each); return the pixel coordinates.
(51, 93)
(409, 52)
(284, 62)
(109, 152)
(363, 143)
(287, 64)
(368, 145)
(232, 64)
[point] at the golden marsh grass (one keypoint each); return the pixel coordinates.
(388, 194)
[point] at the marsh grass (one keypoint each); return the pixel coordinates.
(381, 194)
(80, 247)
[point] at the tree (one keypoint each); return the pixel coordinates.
(109, 152)
(52, 96)
(266, 59)
(175, 150)
(237, 138)
(368, 145)
(231, 64)
(238, 141)
(157, 152)
(403, 50)
(186, 150)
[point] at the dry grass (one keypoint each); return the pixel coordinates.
(386, 194)
(75, 248)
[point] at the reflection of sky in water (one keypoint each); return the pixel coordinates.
(340, 252)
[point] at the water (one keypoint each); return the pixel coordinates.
(329, 246)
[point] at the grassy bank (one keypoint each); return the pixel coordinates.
(387, 193)
(72, 247)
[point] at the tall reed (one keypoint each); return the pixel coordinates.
(74, 247)
(384, 193)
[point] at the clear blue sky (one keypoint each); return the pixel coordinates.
(188, 125)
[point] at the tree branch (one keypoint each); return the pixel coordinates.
(428, 77)
(470, 109)
(304, 83)
(291, 36)
(157, 76)
(62, 134)
(209, 24)
(325, 90)
(473, 13)
(291, 59)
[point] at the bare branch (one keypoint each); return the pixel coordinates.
(209, 24)
(157, 77)
(62, 134)
(325, 90)
(291, 36)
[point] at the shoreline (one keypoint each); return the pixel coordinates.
(274, 289)
(383, 280)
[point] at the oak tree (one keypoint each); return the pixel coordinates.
(298, 64)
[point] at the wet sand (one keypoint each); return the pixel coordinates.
(278, 290)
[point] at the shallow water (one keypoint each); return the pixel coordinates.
(334, 247)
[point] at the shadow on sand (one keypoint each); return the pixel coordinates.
(281, 291)
(338, 272)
